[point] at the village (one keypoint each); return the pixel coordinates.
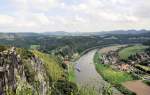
(134, 65)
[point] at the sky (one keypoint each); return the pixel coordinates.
(73, 15)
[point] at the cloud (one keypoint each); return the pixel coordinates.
(6, 19)
(75, 15)
(42, 19)
(35, 5)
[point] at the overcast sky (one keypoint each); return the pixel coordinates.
(73, 15)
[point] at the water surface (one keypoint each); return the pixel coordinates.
(88, 76)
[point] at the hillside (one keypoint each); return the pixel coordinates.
(24, 72)
(39, 64)
(69, 45)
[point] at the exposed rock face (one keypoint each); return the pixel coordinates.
(8, 64)
(14, 71)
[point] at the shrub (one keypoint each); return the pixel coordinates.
(2, 48)
(87, 91)
(29, 71)
(24, 53)
(64, 87)
(124, 90)
(147, 82)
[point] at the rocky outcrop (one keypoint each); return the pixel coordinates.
(8, 66)
(17, 72)
(24, 72)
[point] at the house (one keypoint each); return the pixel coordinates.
(124, 67)
(66, 62)
(105, 59)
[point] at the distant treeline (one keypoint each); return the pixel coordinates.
(70, 44)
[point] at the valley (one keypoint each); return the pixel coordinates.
(74, 47)
(35, 64)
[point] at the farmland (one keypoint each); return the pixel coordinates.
(113, 76)
(131, 50)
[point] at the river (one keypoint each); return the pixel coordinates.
(87, 74)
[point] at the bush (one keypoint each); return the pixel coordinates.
(64, 87)
(124, 90)
(87, 91)
(2, 48)
(143, 68)
(24, 53)
(29, 71)
(147, 82)
(108, 90)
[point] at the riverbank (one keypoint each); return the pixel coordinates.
(112, 76)
(88, 76)
(124, 75)
(84, 76)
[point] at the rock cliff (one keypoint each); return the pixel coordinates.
(18, 74)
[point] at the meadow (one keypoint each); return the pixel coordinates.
(114, 77)
(34, 46)
(131, 50)
(71, 73)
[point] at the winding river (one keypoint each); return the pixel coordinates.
(86, 73)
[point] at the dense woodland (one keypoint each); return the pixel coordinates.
(67, 45)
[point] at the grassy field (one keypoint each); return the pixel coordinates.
(71, 72)
(116, 78)
(126, 52)
(112, 76)
(34, 46)
(50, 63)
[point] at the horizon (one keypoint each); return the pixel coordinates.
(109, 31)
(39, 16)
